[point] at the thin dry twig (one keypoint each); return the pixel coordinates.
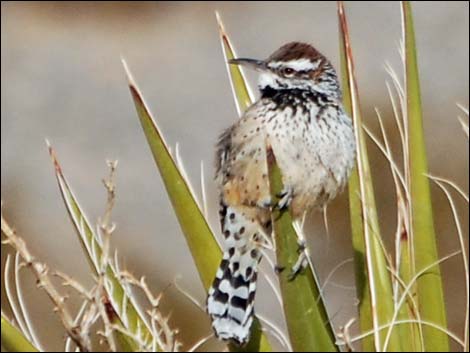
(440, 182)
(406, 293)
(165, 337)
(41, 272)
(344, 337)
(25, 313)
(463, 123)
(200, 343)
(401, 322)
(16, 307)
(106, 228)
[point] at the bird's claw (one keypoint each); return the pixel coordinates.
(301, 263)
(285, 196)
(278, 269)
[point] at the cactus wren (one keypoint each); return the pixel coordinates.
(300, 116)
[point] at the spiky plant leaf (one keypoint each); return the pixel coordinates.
(429, 286)
(201, 241)
(13, 340)
(373, 279)
(307, 320)
(242, 94)
(123, 310)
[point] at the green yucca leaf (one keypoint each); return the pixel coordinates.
(357, 228)
(374, 286)
(128, 315)
(306, 316)
(357, 233)
(201, 241)
(411, 333)
(241, 91)
(13, 340)
(429, 286)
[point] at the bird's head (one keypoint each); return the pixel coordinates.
(295, 66)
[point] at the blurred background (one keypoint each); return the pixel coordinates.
(62, 79)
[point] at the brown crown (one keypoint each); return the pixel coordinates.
(295, 51)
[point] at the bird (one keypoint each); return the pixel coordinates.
(300, 119)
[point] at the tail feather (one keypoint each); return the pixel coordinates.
(231, 297)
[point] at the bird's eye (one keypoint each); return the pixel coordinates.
(287, 71)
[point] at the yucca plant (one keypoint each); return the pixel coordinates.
(401, 301)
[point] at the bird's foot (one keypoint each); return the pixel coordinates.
(285, 196)
(279, 269)
(302, 261)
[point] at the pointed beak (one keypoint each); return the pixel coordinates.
(258, 65)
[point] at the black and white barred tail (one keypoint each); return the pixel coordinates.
(231, 297)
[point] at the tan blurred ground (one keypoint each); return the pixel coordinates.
(62, 79)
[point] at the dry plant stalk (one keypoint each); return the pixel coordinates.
(96, 304)
(165, 336)
(41, 272)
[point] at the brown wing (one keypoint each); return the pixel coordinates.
(241, 163)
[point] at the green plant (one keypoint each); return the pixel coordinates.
(401, 302)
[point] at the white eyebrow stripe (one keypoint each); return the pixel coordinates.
(297, 65)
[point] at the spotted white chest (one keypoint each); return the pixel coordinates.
(313, 146)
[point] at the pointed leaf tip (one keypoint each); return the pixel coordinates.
(130, 77)
(341, 8)
(241, 91)
(220, 23)
(53, 156)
